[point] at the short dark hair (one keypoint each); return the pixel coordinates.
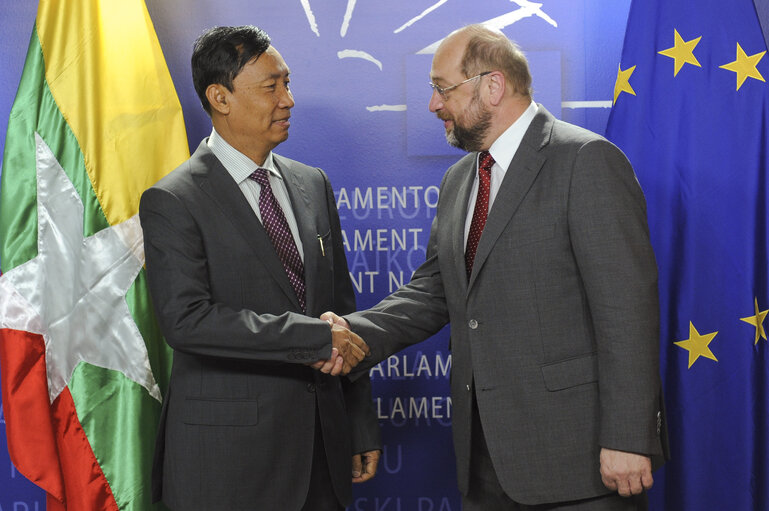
(220, 53)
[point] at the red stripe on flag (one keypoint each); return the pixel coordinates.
(46, 442)
(28, 419)
(84, 483)
(51, 504)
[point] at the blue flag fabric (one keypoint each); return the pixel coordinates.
(691, 112)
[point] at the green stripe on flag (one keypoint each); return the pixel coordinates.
(160, 353)
(118, 417)
(34, 109)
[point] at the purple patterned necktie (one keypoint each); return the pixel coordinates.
(481, 209)
(274, 222)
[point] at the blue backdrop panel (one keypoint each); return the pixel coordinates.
(359, 73)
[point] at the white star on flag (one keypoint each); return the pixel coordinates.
(73, 292)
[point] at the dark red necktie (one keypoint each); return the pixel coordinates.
(481, 210)
(274, 222)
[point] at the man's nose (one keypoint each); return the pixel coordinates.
(286, 99)
(436, 102)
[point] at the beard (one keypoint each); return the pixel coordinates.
(470, 130)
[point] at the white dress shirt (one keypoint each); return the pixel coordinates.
(502, 150)
(241, 166)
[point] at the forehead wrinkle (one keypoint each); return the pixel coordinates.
(280, 70)
(436, 78)
(279, 74)
(445, 66)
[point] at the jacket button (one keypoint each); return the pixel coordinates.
(472, 324)
(468, 387)
(310, 387)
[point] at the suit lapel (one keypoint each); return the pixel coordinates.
(458, 217)
(520, 175)
(215, 181)
(304, 212)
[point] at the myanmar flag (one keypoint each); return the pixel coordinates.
(691, 112)
(95, 122)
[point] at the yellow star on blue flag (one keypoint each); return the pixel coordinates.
(746, 66)
(682, 52)
(623, 82)
(697, 345)
(757, 320)
(697, 139)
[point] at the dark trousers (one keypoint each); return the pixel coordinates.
(486, 494)
(320, 496)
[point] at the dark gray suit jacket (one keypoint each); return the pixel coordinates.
(238, 418)
(557, 328)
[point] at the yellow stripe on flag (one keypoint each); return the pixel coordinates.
(106, 71)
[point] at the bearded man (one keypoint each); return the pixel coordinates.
(539, 257)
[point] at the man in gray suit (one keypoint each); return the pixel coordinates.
(539, 256)
(244, 251)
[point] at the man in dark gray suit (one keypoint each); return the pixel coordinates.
(539, 256)
(244, 251)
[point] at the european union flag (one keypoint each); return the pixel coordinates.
(691, 111)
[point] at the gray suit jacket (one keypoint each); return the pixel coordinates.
(557, 328)
(238, 418)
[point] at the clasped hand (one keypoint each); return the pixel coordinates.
(347, 348)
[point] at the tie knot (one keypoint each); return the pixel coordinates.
(260, 176)
(485, 161)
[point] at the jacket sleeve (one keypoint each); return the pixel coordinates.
(610, 240)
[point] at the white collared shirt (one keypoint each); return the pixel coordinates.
(502, 150)
(240, 166)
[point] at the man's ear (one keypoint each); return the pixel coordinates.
(497, 86)
(218, 98)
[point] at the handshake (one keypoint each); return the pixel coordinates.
(347, 350)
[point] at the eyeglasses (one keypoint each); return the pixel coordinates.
(443, 90)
